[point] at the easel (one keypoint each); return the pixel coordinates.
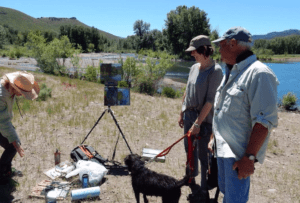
(116, 164)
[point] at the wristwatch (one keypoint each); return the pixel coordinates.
(196, 125)
(251, 157)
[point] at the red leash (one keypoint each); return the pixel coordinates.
(190, 155)
(166, 151)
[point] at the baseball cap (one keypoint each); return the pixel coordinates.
(196, 42)
(238, 33)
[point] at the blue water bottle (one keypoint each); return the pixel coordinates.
(85, 180)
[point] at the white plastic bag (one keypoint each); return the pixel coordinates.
(94, 170)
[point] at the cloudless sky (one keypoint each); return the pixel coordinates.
(118, 16)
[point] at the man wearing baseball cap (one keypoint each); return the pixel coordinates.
(13, 84)
(245, 113)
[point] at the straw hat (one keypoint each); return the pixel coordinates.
(24, 83)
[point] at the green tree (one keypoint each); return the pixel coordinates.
(140, 28)
(2, 36)
(182, 25)
(130, 70)
(46, 54)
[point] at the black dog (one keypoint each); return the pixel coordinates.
(151, 183)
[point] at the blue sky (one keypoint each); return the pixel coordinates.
(118, 16)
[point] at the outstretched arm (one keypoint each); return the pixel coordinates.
(19, 149)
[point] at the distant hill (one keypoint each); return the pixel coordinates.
(272, 35)
(23, 22)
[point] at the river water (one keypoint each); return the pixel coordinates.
(288, 75)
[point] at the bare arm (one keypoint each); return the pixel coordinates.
(18, 147)
(180, 120)
(257, 138)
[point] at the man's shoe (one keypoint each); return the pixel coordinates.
(13, 172)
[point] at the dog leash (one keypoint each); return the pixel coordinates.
(190, 155)
(167, 150)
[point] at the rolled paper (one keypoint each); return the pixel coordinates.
(85, 193)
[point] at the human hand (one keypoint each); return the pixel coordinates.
(211, 143)
(245, 167)
(194, 130)
(180, 120)
(19, 149)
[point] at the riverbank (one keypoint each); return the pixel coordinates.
(281, 59)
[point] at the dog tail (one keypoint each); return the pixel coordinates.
(183, 181)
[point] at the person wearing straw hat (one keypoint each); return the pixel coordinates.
(245, 113)
(197, 107)
(18, 83)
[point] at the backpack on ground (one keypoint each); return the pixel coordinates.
(85, 152)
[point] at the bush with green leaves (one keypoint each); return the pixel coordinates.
(91, 74)
(45, 93)
(169, 92)
(145, 85)
(46, 54)
(289, 100)
(123, 84)
(12, 54)
(130, 69)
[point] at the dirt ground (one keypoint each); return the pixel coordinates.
(149, 122)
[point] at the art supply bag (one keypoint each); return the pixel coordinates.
(85, 152)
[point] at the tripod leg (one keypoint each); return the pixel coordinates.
(114, 153)
(94, 126)
(112, 114)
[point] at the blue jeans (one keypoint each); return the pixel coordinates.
(201, 149)
(7, 156)
(234, 189)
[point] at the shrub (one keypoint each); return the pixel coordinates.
(289, 100)
(130, 70)
(91, 74)
(145, 85)
(169, 92)
(18, 52)
(123, 84)
(45, 93)
(12, 54)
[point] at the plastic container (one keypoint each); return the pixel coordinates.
(85, 193)
(85, 180)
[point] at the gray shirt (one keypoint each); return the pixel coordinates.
(6, 114)
(201, 87)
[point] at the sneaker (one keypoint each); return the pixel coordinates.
(13, 172)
